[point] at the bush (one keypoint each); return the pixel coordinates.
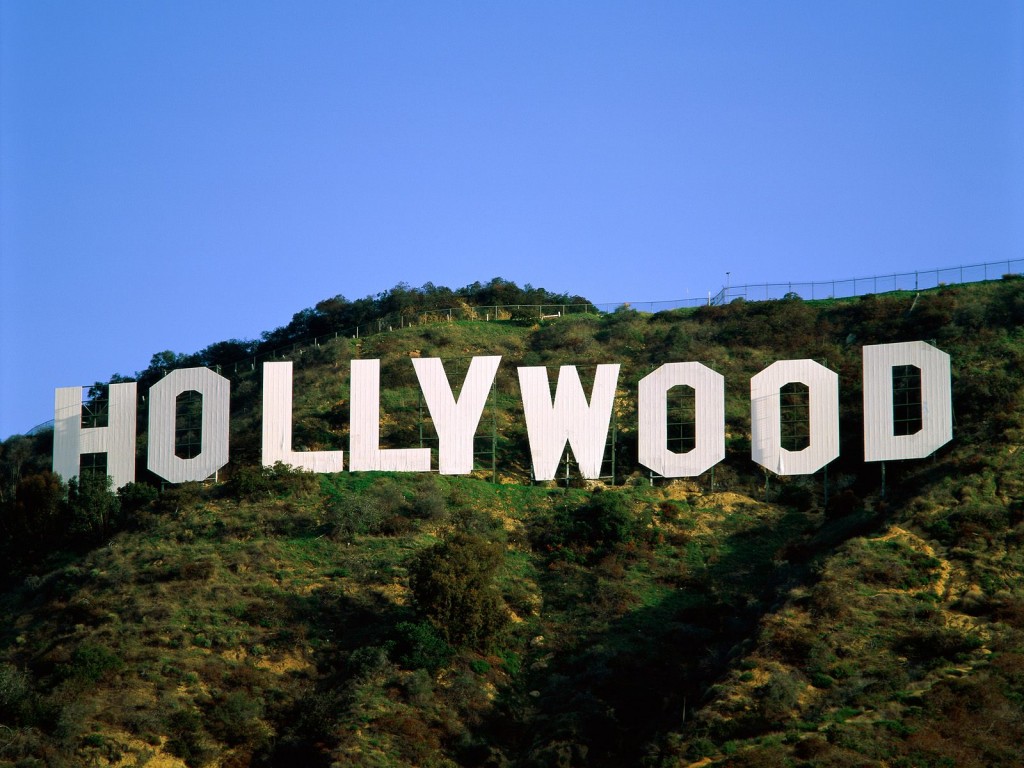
(176, 498)
(605, 521)
(37, 508)
(135, 496)
(931, 645)
(777, 699)
(420, 646)
(428, 501)
(369, 663)
(348, 514)
(235, 719)
(94, 510)
(453, 587)
(15, 687)
(593, 529)
(254, 483)
(796, 495)
(90, 663)
(381, 508)
(186, 741)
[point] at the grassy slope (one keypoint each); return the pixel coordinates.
(743, 625)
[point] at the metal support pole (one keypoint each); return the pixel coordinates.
(419, 406)
(825, 499)
(494, 433)
(615, 431)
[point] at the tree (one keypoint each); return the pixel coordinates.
(37, 508)
(453, 587)
(14, 454)
(94, 511)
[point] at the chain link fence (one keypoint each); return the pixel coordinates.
(918, 280)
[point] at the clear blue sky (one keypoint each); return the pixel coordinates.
(179, 173)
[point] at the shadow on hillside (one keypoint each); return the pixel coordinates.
(337, 626)
(612, 697)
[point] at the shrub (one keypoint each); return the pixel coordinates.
(37, 507)
(135, 496)
(90, 663)
(420, 646)
(348, 514)
(15, 687)
(605, 520)
(592, 529)
(381, 508)
(778, 697)
(419, 688)
(930, 645)
(235, 719)
(428, 501)
(255, 483)
(796, 495)
(453, 587)
(176, 498)
(94, 511)
(369, 663)
(185, 727)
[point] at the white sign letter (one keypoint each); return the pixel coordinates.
(709, 410)
(365, 452)
(277, 425)
(766, 419)
(455, 420)
(117, 439)
(571, 418)
(216, 392)
(880, 442)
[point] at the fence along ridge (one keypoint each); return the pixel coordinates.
(923, 279)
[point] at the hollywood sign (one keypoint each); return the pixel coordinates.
(570, 417)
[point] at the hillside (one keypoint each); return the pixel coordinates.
(739, 618)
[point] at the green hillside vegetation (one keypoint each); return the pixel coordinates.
(280, 618)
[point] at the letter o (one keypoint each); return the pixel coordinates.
(216, 392)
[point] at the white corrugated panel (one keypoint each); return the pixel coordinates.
(570, 418)
(709, 407)
(766, 419)
(277, 425)
(365, 453)
(67, 431)
(880, 442)
(216, 392)
(456, 420)
(117, 439)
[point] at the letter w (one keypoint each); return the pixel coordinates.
(570, 418)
